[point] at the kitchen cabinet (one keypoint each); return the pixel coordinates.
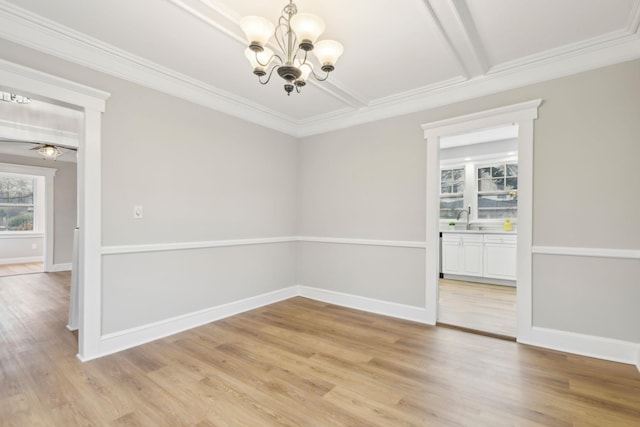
(480, 255)
(462, 254)
(500, 256)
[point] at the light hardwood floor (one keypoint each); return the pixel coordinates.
(295, 363)
(478, 306)
(23, 268)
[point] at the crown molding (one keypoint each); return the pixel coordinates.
(23, 27)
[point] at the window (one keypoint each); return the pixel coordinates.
(451, 192)
(17, 203)
(498, 191)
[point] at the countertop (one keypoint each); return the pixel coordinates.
(488, 231)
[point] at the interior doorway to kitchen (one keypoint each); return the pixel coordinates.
(521, 115)
(478, 219)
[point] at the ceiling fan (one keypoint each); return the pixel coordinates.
(47, 150)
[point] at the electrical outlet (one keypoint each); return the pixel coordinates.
(137, 212)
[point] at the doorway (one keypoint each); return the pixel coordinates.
(521, 115)
(478, 231)
(91, 103)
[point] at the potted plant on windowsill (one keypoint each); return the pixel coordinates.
(452, 225)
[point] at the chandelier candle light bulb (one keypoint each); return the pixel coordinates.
(296, 35)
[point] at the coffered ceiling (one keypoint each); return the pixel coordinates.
(400, 56)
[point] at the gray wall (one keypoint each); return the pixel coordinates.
(64, 202)
(200, 175)
(368, 182)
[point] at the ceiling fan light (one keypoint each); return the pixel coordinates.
(258, 31)
(50, 152)
(328, 52)
(307, 27)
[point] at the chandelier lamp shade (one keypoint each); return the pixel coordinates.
(295, 35)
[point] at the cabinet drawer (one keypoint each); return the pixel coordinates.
(501, 238)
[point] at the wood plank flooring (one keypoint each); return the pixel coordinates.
(22, 268)
(478, 306)
(294, 363)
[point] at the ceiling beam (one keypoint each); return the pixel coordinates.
(455, 24)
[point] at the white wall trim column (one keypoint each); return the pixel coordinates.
(523, 114)
(91, 101)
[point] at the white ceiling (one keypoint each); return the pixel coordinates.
(400, 56)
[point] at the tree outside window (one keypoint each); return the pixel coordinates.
(451, 192)
(16, 203)
(498, 191)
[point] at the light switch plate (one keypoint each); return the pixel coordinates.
(137, 212)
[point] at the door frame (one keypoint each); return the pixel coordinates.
(522, 114)
(91, 102)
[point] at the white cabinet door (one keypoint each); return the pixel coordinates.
(451, 254)
(500, 258)
(472, 257)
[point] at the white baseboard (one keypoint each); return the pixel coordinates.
(386, 308)
(585, 345)
(61, 267)
(122, 340)
(21, 260)
(570, 342)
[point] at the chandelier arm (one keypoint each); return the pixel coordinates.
(319, 78)
(266, 64)
(268, 76)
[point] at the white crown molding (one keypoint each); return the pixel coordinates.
(587, 252)
(23, 27)
(31, 30)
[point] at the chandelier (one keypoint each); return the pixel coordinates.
(296, 35)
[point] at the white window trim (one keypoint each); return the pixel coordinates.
(48, 232)
(471, 183)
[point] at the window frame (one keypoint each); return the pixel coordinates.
(504, 162)
(36, 208)
(471, 192)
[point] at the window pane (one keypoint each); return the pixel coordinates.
(16, 190)
(512, 170)
(512, 183)
(484, 173)
(19, 218)
(445, 188)
(458, 174)
(497, 206)
(449, 207)
(445, 175)
(484, 185)
(497, 171)
(458, 188)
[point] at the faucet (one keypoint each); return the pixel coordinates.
(468, 212)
